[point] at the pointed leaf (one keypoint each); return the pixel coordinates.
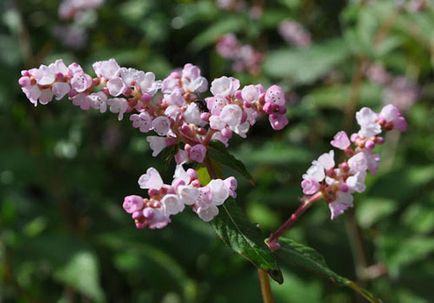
(220, 154)
(245, 238)
(232, 226)
(294, 253)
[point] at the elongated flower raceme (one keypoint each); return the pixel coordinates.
(177, 113)
(337, 183)
(173, 108)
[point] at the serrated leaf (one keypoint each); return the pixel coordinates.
(296, 254)
(219, 153)
(245, 239)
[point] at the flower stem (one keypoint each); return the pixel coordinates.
(273, 240)
(264, 282)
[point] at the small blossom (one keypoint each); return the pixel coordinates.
(341, 141)
(342, 203)
(197, 153)
(151, 180)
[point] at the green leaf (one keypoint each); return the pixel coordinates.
(232, 226)
(220, 154)
(82, 273)
(296, 254)
(245, 239)
(218, 29)
(305, 65)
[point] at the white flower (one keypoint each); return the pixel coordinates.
(151, 180)
(172, 205)
(219, 191)
(315, 172)
(326, 160)
(358, 163)
(188, 194)
(357, 182)
(224, 86)
(142, 121)
(60, 89)
(208, 213)
(118, 105)
(192, 114)
(231, 114)
(343, 201)
(161, 125)
(250, 93)
(157, 144)
(107, 69)
(367, 119)
(116, 86)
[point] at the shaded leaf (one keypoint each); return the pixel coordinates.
(219, 153)
(244, 238)
(232, 226)
(305, 65)
(218, 29)
(294, 253)
(82, 274)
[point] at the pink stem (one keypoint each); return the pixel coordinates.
(273, 240)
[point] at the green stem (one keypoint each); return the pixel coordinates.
(264, 281)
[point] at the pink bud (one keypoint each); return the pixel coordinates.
(146, 98)
(24, 81)
(268, 108)
(192, 173)
(226, 133)
(196, 183)
(137, 215)
(205, 116)
(370, 145)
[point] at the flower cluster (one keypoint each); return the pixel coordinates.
(175, 110)
(337, 183)
(179, 115)
(243, 56)
(167, 200)
(294, 33)
(399, 91)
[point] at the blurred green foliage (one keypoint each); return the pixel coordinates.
(64, 173)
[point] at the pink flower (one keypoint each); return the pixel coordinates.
(151, 180)
(341, 141)
(224, 86)
(278, 121)
(142, 121)
(107, 69)
(197, 153)
(310, 186)
(341, 204)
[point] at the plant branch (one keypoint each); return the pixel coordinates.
(264, 280)
(273, 240)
